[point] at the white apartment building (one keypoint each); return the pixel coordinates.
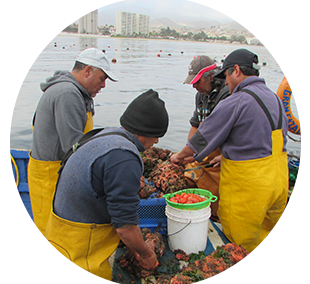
(129, 23)
(89, 23)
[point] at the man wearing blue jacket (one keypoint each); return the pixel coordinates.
(96, 200)
(250, 128)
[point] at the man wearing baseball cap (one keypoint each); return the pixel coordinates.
(210, 92)
(250, 128)
(64, 113)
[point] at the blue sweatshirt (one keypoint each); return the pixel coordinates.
(101, 180)
(239, 126)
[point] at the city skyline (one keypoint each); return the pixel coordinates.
(130, 23)
(89, 23)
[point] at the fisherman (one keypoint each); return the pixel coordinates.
(64, 113)
(96, 201)
(250, 128)
(210, 91)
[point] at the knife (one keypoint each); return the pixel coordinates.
(200, 167)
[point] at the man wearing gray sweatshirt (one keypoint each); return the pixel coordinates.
(64, 113)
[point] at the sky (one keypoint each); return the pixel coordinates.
(174, 9)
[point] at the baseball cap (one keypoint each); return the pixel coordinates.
(197, 67)
(241, 57)
(96, 58)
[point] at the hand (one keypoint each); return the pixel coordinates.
(183, 157)
(176, 160)
(188, 160)
(148, 263)
(216, 161)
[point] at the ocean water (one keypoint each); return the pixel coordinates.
(138, 68)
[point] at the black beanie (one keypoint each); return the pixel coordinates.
(146, 115)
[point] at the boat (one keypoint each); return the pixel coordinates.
(20, 159)
(151, 214)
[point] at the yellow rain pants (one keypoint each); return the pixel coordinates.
(87, 245)
(253, 195)
(42, 179)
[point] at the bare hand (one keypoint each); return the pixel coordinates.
(148, 263)
(176, 160)
(216, 161)
(188, 160)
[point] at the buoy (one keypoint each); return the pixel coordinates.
(127, 48)
(108, 46)
(115, 49)
(264, 63)
(169, 54)
(55, 45)
(181, 52)
(63, 47)
(114, 60)
(103, 50)
(158, 55)
(160, 51)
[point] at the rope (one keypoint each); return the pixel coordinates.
(16, 170)
(295, 140)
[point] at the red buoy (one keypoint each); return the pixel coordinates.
(114, 60)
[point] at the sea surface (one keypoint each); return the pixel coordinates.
(141, 64)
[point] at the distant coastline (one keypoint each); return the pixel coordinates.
(143, 38)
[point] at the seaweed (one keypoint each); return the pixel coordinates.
(221, 252)
(202, 267)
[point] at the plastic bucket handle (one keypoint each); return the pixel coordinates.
(180, 229)
(213, 198)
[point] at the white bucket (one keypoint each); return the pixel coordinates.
(187, 229)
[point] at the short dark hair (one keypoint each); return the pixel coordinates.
(79, 66)
(246, 70)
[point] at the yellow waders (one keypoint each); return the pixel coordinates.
(253, 195)
(42, 179)
(87, 245)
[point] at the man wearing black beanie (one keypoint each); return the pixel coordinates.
(96, 200)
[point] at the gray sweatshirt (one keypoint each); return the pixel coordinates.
(60, 116)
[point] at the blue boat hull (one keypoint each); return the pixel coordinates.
(21, 158)
(151, 212)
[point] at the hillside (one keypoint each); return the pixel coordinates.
(107, 16)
